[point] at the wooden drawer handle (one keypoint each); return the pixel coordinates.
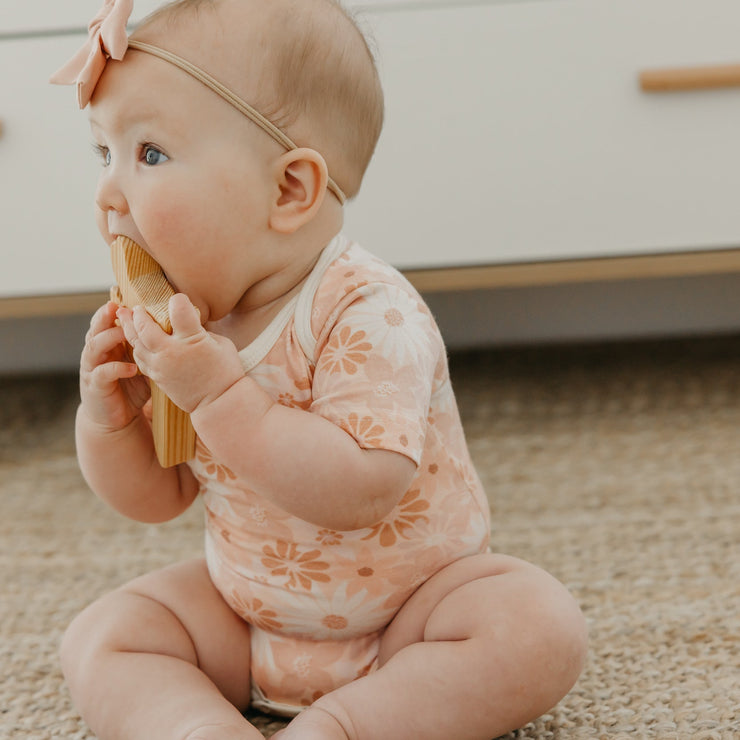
(690, 78)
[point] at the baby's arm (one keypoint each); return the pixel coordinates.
(305, 464)
(114, 439)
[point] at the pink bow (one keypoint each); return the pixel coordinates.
(107, 38)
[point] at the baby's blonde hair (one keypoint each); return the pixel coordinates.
(314, 76)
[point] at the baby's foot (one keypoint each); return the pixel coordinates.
(313, 723)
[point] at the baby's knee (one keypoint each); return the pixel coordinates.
(90, 635)
(121, 622)
(541, 621)
(77, 645)
(564, 629)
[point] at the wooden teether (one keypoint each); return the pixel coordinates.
(142, 282)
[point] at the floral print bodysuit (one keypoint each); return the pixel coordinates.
(359, 347)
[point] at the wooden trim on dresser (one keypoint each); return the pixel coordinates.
(602, 269)
(26, 307)
(483, 277)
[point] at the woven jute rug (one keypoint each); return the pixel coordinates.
(617, 468)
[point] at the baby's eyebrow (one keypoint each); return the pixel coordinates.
(121, 120)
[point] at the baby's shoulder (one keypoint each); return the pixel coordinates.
(356, 267)
(360, 290)
(356, 275)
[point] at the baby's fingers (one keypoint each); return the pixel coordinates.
(104, 318)
(140, 329)
(102, 347)
(184, 316)
(106, 376)
(102, 397)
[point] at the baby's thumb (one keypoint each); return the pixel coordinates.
(184, 316)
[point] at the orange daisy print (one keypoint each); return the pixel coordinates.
(255, 612)
(329, 537)
(364, 430)
(346, 351)
(213, 468)
(410, 512)
(300, 568)
(289, 400)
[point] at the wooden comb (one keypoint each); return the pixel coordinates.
(142, 282)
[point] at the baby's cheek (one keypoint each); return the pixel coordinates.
(168, 233)
(168, 220)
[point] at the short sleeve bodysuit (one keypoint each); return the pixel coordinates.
(359, 347)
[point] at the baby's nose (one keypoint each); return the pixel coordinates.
(108, 195)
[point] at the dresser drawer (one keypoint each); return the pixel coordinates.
(48, 239)
(518, 132)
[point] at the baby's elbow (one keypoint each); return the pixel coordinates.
(388, 477)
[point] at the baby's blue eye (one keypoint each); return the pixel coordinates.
(153, 156)
(103, 152)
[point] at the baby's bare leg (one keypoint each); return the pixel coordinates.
(485, 646)
(163, 657)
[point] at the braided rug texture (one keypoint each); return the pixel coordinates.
(614, 467)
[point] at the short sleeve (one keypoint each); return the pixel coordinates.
(375, 368)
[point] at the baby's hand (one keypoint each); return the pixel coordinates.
(111, 390)
(191, 365)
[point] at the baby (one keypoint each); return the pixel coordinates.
(347, 580)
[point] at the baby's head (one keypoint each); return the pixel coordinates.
(303, 64)
(195, 171)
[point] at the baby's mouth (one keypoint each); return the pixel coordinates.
(144, 247)
(133, 237)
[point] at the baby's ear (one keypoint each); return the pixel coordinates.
(301, 175)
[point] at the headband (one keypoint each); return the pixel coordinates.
(107, 39)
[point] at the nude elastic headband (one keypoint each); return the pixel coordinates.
(107, 39)
(230, 97)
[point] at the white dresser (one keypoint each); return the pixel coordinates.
(518, 149)
(48, 240)
(517, 131)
